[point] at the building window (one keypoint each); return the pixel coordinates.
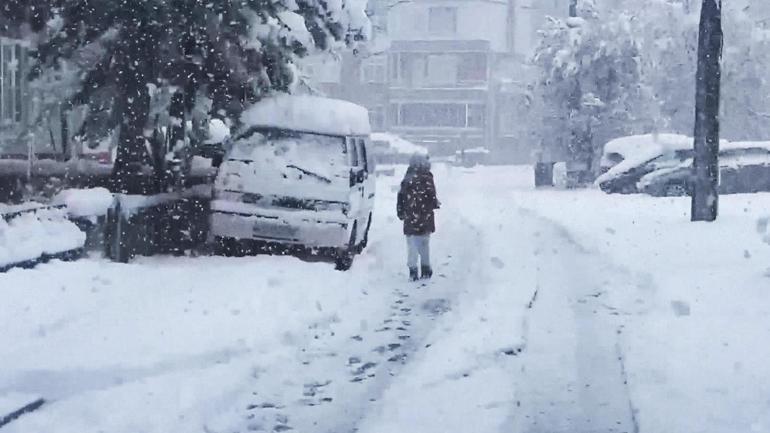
(13, 61)
(438, 115)
(476, 115)
(377, 118)
(442, 21)
(442, 69)
(472, 68)
(433, 115)
(394, 114)
(373, 70)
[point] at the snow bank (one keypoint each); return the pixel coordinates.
(308, 113)
(31, 235)
(85, 202)
(397, 144)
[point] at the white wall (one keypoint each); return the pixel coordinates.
(530, 18)
(476, 20)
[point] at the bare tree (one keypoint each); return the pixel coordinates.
(705, 199)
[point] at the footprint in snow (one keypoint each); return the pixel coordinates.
(362, 369)
(436, 306)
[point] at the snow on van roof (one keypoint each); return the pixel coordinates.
(309, 114)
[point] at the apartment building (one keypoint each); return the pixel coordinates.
(449, 74)
(440, 69)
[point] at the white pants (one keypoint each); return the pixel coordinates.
(418, 246)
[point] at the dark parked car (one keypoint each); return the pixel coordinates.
(623, 178)
(742, 169)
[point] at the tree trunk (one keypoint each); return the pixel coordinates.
(135, 64)
(705, 199)
(132, 150)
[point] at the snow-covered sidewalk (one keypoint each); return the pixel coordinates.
(550, 312)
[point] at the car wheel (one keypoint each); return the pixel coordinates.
(675, 190)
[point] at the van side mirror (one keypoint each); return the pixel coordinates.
(357, 176)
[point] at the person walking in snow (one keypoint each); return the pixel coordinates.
(415, 206)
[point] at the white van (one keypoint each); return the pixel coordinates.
(298, 174)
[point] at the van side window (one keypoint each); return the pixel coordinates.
(362, 154)
(353, 152)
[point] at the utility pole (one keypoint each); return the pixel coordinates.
(705, 199)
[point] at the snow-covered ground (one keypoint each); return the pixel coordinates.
(550, 311)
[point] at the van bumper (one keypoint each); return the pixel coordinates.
(296, 231)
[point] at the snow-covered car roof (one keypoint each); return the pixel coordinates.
(740, 145)
(639, 158)
(635, 144)
(640, 149)
(308, 114)
(397, 144)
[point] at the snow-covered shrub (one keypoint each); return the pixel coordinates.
(34, 234)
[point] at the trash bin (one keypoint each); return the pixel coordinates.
(543, 174)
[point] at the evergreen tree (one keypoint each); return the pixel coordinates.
(131, 55)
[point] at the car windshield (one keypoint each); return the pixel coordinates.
(385, 216)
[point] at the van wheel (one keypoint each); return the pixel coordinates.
(365, 241)
(343, 258)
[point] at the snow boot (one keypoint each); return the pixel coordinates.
(427, 273)
(413, 276)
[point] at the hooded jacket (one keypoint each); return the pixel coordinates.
(416, 202)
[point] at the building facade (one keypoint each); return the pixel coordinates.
(452, 75)
(15, 103)
(440, 71)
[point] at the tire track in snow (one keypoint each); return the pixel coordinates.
(552, 398)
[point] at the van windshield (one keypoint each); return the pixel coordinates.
(318, 156)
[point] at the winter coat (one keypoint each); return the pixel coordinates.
(416, 202)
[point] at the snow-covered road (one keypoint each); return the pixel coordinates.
(550, 312)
